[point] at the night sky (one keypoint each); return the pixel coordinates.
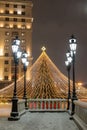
(54, 22)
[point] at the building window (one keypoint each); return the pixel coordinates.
(6, 62)
(15, 6)
(15, 26)
(6, 48)
(6, 19)
(15, 33)
(7, 33)
(5, 77)
(23, 26)
(15, 19)
(23, 6)
(7, 11)
(13, 70)
(6, 54)
(22, 20)
(6, 69)
(7, 5)
(19, 12)
(23, 13)
(12, 62)
(15, 12)
(7, 25)
(23, 41)
(22, 34)
(6, 40)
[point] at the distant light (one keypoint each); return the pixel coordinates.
(80, 84)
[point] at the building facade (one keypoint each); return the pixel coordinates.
(15, 20)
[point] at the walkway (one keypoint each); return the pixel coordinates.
(40, 121)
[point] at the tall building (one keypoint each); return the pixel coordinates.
(15, 20)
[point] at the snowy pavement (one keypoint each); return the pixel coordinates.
(40, 121)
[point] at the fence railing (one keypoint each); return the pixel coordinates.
(47, 104)
(80, 115)
(21, 106)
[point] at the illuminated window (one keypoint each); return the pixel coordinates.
(7, 33)
(1, 25)
(23, 40)
(23, 27)
(7, 5)
(19, 12)
(6, 40)
(11, 11)
(22, 33)
(1, 11)
(7, 25)
(6, 62)
(23, 47)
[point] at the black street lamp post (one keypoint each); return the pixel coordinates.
(73, 46)
(16, 54)
(25, 64)
(68, 65)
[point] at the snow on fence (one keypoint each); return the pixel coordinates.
(47, 104)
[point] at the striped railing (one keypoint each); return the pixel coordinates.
(47, 104)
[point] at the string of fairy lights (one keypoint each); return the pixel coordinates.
(46, 81)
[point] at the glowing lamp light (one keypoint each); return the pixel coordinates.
(68, 55)
(24, 57)
(72, 44)
(17, 41)
(67, 63)
(19, 53)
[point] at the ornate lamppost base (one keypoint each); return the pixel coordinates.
(14, 115)
(12, 118)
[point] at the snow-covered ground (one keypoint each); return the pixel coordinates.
(40, 121)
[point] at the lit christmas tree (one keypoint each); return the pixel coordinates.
(44, 85)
